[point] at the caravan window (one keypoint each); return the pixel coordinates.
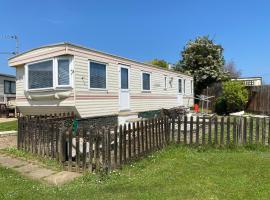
(63, 71)
(9, 87)
(146, 82)
(49, 74)
(179, 85)
(97, 75)
(40, 75)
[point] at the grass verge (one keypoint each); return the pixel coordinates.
(9, 126)
(176, 172)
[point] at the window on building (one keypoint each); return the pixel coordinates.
(124, 78)
(9, 87)
(179, 85)
(165, 82)
(40, 75)
(63, 72)
(146, 81)
(191, 86)
(97, 75)
(52, 73)
(249, 83)
(184, 86)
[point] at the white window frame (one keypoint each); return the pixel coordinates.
(181, 85)
(165, 82)
(106, 69)
(70, 71)
(184, 86)
(54, 74)
(128, 68)
(191, 86)
(150, 79)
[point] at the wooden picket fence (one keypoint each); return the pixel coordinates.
(90, 148)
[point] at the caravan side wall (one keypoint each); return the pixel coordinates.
(91, 102)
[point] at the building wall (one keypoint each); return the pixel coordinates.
(91, 103)
(2, 79)
(94, 103)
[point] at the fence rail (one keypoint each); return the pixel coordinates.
(89, 148)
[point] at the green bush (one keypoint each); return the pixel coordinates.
(220, 106)
(234, 98)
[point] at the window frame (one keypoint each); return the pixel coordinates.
(70, 71)
(106, 75)
(55, 85)
(184, 86)
(120, 79)
(150, 81)
(165, 82)
(10, 82)
(191, 86)
(181, 86)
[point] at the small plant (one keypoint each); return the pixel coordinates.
(234, 98)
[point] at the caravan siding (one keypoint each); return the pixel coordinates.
(103, 102)
(87, 102)
(95, 102)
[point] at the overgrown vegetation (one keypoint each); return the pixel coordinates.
(176, 172)
(233, 99)
(159, 63)
(9, 126)
(204, 60)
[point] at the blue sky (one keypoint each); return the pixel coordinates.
(142, 30)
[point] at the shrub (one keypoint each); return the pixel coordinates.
(220, 106)
(234, 98)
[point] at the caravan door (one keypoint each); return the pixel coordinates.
(124, 93)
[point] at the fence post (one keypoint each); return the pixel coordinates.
(185, 129)
(115, 145)
(210, 131)
(203, 130)
(222, 131)
(191, 130)
(173, 129)
(216, 131)
(257, 129)
(234, 131)
(251, 130)
(245, 131)
(197, 130)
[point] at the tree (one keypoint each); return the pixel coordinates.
(203, 59)
(233, 99)
(159, 63)
(233, 72)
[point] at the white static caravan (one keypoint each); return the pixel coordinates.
(68, 78)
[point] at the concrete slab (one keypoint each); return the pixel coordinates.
(61, 177)
(39, 173)
(11, 162)
(27, 168)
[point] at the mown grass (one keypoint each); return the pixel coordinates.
(9, 126)
(174, 173)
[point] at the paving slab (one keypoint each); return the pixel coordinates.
(37, 172)
(40, 173)
(27, 168)
(61, 177)
(11, 162)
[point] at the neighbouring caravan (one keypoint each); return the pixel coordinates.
(69, 78)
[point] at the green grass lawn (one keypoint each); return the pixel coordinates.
(173, 173)
(8, 126)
